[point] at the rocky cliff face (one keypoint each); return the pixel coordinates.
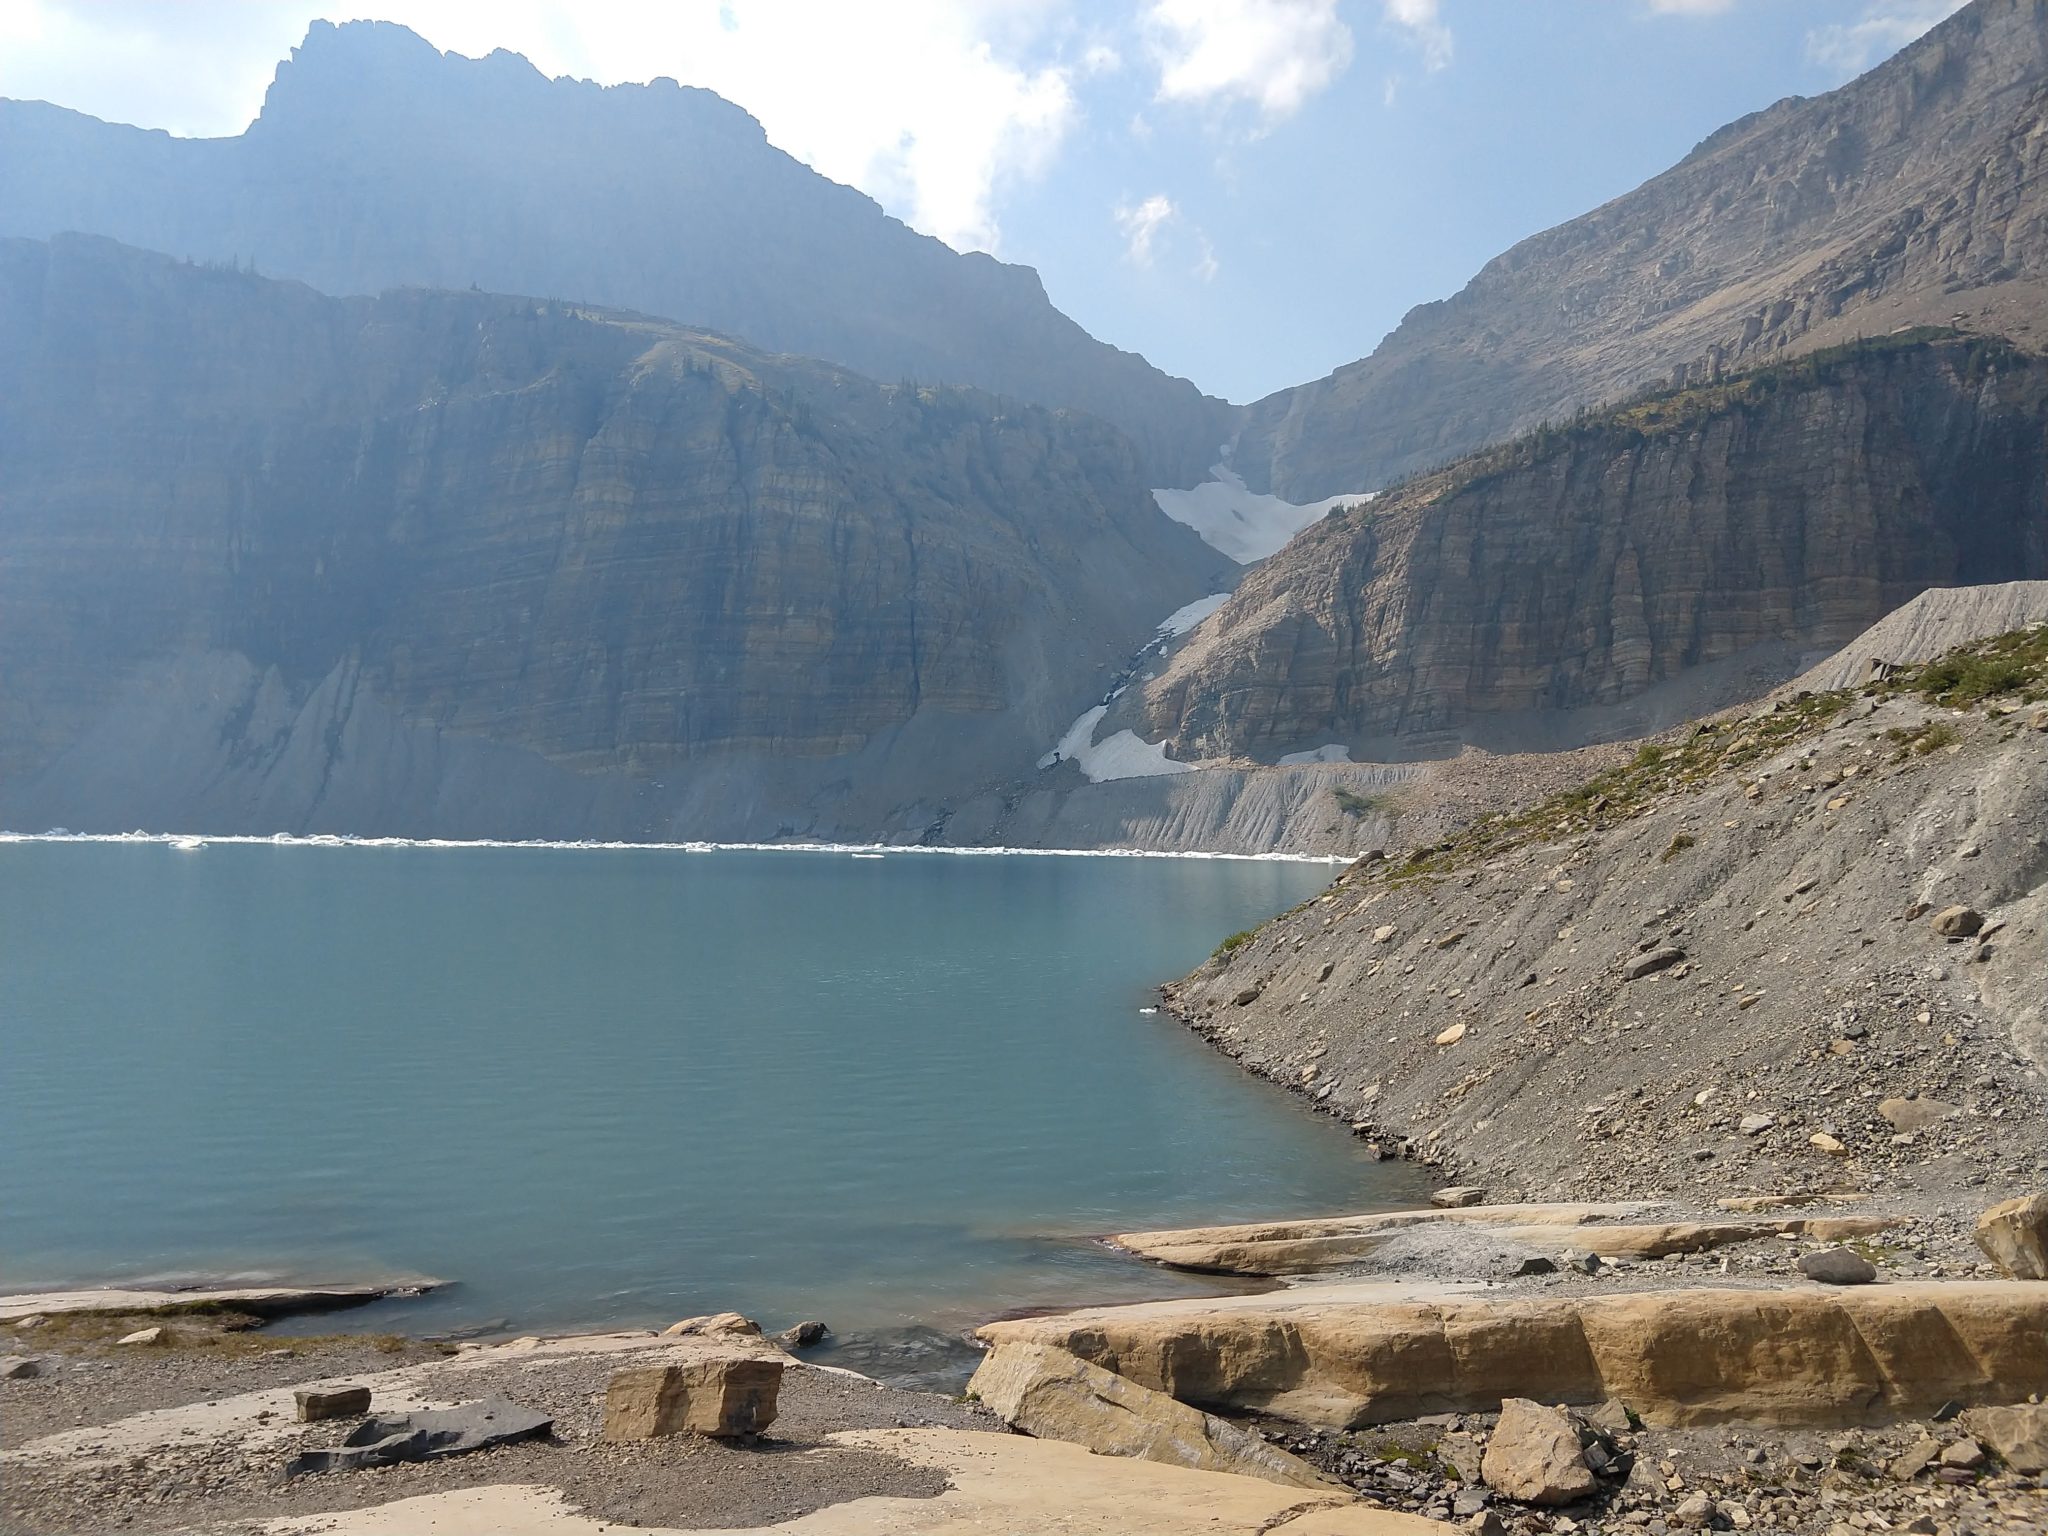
(1914, 194)
(458, 563)
(379, 161)
(1638, 568)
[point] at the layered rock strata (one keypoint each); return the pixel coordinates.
(465, 565)
(1910, 195)
(1640, 568)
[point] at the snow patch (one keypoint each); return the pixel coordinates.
(1181, 620)
(1244, 524)
(1335, 752)
(1122, 756)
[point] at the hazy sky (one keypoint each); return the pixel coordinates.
(1250, 192)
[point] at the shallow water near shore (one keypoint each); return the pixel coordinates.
(619, 1087)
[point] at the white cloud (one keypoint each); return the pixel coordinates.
(1269, 54)
(1140, 224)
(1419, 20)
(1885, 27)
(1146, 227)
(1690, 7)
(930, 106)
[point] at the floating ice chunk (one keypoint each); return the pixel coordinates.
(1244, 524)
(1335, 752)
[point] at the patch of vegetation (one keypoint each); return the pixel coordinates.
(1234, 943)
(212, 1326)
(1351, 803)
(2009, 666)
(1678, 845)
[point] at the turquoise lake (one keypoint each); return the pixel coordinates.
(624, 1086)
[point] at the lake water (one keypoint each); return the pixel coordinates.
(624, 1086)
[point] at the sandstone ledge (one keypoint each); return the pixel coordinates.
(1346, 1356)
(1319, 1244)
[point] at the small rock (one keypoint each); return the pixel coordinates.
(1457, 1196)
(1695, 1513)
(317, 1403)
(1755, 1125)
(2014, 1234)
(1535, 1264)
(1582, 1261)
(152, 1335)
(1966, 1454)
(1837, 1266)
(1655, 960)
(1909, 1115)
(1450, 939)
(1611, 1417)
(1452, 1035)
(1534, 1456)
(1957, 922)
(1822, 1141)
(803, 1335)
(1323, 975)
(1916, 1459)
(1384, 932)
(714, 1325)
(20, 1367)
(1487, 1523)
(1245, 997)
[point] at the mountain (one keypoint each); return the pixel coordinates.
(463, 564)
(1916, 194)
(1635, 568)
(380, 162)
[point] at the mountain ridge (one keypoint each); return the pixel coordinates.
(378, 161)
(1911, 193)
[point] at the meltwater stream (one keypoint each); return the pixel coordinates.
(620, 1087)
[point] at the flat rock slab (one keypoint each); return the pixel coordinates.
(427, 1435)
(998, 1483)
(1320, 1244)
(257, 1301)
(1810, 1356)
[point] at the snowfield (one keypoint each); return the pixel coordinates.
(1246, 525)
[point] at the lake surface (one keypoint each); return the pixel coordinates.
(624, 1086)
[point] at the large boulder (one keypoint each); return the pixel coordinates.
(2019, 1435)
(728, 1396)
(1053, 1395)
(1534, 1456)
(2015, 1234)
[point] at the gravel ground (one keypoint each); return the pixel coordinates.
(1798, 1483)
(681, 1481)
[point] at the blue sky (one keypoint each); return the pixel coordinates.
(1249, 192)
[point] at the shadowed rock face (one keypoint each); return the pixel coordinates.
(275, 561)
(1908, 196)
(378, 161)
(1618, 576)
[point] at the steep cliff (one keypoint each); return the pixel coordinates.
(1636, 568)
(1915, 194)
(379, 161)
(467, 564)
